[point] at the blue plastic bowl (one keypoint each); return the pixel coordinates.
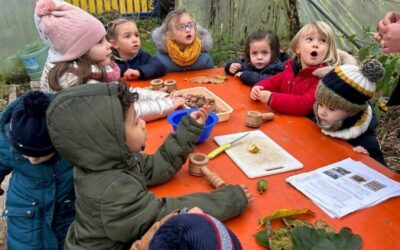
(175, 117)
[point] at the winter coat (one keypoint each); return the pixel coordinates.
(148, 66)
(358, 130)
(152, 105)
(204, 61)
(293, 90)
(40, 198)
(114, 206)
(251, 75)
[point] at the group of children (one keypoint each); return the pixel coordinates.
(96, 129)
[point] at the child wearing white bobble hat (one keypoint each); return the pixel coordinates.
(342, 110)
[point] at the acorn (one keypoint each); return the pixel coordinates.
(262, 185)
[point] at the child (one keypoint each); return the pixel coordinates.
(86, 57)
(95, 127)
(263, 58)
(187, 229)
(342, 109)
(182, 44)
(133, 62)
(293, 90)
(40, 196)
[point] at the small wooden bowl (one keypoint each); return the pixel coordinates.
(157, 84)
(253, 119)
(196, 162)
(170, 84)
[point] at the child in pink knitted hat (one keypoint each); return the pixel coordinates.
(79, 38)
(85, 57)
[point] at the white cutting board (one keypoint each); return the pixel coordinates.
(271, 159)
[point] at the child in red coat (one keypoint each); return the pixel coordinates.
(293, 90)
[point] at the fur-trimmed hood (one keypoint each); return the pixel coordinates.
(158, 36)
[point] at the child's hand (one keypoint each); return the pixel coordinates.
(249, 195)
(200, 116)
(178, 101)
(235, 67)
(238, 74)
(174, 94)
(131, 74)
(264, 96)
(361, 150)
(255, 92)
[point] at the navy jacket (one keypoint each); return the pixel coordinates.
(149, 66)
(369, 142)
(40, 203)
(250, 75)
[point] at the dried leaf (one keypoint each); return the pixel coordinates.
(284, 213)
(204, 79)
(221, 77)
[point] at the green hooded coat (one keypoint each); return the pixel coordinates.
(113, 205)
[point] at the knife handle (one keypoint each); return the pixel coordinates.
(218, 150)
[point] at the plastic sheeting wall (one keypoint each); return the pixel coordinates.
(17, 27)
(237, 18)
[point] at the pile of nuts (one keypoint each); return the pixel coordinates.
(198, 101)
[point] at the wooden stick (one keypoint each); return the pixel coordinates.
(215, 180)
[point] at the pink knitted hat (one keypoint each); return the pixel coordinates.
(71, 30)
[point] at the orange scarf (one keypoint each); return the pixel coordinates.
(186, 57)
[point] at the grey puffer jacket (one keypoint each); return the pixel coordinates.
(204, 60)
(113, 205)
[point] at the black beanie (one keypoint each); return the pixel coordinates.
(195, 232)
(28, 129)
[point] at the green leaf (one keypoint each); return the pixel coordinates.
(261, 238)
(305, 238)
(345, 239)
(363, 53)
(397, 67)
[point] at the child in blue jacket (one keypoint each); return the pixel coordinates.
(134, 62)
(40, 202)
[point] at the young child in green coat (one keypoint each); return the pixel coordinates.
(95, 127)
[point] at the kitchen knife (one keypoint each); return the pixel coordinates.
(225, 146)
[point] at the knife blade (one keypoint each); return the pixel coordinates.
(225, 146)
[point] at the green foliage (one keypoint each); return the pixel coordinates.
(12, 70)
(108, 16)
(224, 49)
(146, 26)
(391, 63)
(305, 238)
(262, 238)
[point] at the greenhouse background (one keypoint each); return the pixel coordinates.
(231, 18)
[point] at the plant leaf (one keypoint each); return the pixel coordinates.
(305, 238)
(281, 213)
(363, 53)
(261, 238)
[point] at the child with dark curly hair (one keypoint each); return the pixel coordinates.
(96, 128)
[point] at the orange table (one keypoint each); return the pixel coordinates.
(379, 226)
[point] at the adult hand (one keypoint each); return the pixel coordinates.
(389, 33)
